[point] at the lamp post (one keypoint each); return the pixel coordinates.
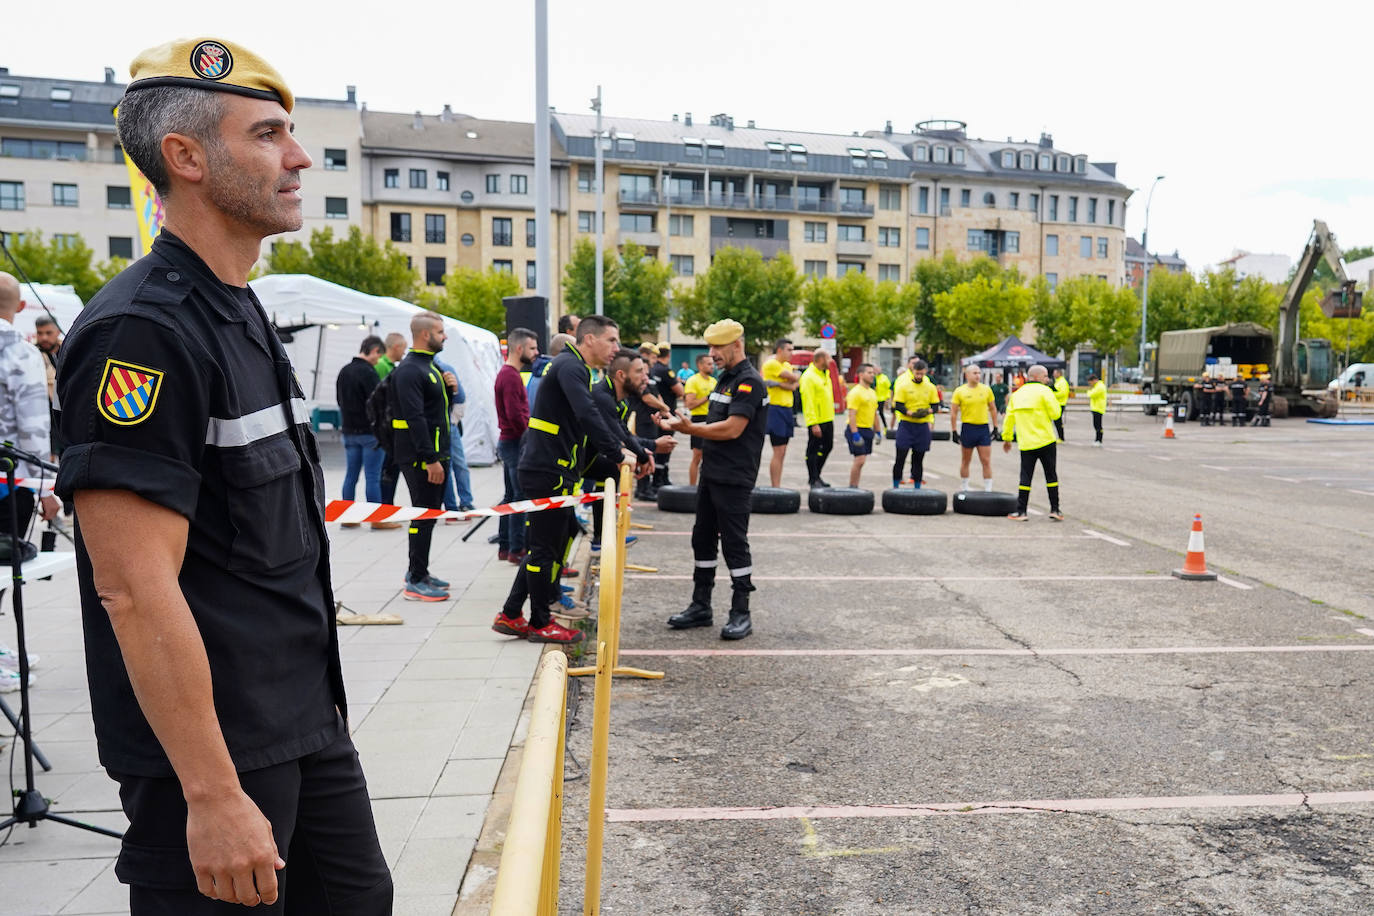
(1145, 279)
(598, 228)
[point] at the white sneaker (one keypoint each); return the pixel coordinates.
(9, 658)
(9, 680)
(1097, 445)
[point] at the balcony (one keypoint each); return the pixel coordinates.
(642, 239)
(853, 249)
(639, 200)
(769, 248)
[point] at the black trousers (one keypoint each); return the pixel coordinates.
(391, 475)
(722, 516)
(1059, 423)
(1047, 456)
(321, 820)
(429, 496)
(1097, 426)
(818, 449)
(547, 535)
(918, 465)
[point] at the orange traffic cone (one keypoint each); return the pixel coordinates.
(1194, 564)
(1169, 425)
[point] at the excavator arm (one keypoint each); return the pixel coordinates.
(1321, 244)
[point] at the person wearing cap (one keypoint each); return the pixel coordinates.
(202, 555)
(818, 413)
(914, 401)
(669, 388)
(1265, 404)
(1097, 406)
(782, 381)
(732, 441)
(1031, 412)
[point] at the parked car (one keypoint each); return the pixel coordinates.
(1356, 375)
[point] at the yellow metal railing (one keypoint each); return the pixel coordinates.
(534, 837)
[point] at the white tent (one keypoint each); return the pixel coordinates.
(328, 322)
(62, 301)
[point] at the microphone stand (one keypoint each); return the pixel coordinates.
(30, 806)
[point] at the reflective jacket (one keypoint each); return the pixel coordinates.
(1031, 412)
(567, 430)
(1061, 391)
(818, 399)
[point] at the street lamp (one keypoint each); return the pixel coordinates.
(1145, 280)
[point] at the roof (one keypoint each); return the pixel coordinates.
(88, 104)
(984, 159)
(1011, 352)
(458, 135)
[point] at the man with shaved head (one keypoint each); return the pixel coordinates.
(1031, 412)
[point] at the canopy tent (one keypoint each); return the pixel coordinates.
(326, 324)
(61, 301)
(1011, 353)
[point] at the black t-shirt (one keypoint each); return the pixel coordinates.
(664, 380)
(739, 392)
(174, 387)
(355, 382)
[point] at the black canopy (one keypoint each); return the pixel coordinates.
(1011, 353)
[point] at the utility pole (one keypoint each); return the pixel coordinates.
(599, 229)
(1145, 280)
(542, 159)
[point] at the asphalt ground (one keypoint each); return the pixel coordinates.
(957, 714)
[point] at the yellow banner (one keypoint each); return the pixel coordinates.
(147, 205)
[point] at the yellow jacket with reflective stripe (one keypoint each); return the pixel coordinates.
(882, 386)
(1031, 412)
(818, 398)
(1061, 391)
(1097, 397)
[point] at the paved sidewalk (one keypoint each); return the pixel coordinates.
(435, 705)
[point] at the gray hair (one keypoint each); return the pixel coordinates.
(1037, 372)
(148, 115)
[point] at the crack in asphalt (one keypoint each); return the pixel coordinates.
(1010, 637)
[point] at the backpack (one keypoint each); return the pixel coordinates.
(379, 415)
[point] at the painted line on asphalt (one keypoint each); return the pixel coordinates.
(1106, 537)
(1234, 584)
(1281, 479)
(1161, 458)
(1365, 631)
(1034, 511)
(1003, 653)
(1031, 806)
(659, 577)
(1216, 467)
(841, 536)
(1361, 492)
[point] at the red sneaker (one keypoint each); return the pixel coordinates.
(555, 633)
(518, 627)
(568, 573)
(516, 557)
(502, 554)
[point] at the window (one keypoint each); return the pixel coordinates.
(1080, 165)
(519, 184)
(1052, 245)
(858, 159)
(922, 238)
(844, 267)
(977, 240)
(1101, 247)
(1073, 208)
(1054, 208)
(118, 197)
(681, 225)
(435, 268)
(965, 197)
(944, 201)
(436, 228)
(391, 178)
(1035, 202)
(797, 153)
(889, 273)
(1027, 161)
(9, 91)
(66, 240)
(1053, 281)
(586, 178)
(419, 178)
(586, 220)
(889, 237)
(122, 246)
(814, 232)
(851, 199)
(692, 148)
(400, 227)
(848, 232)
(1014, 200)
(1061, 163)
(941, 154)
(336, 208)
(60, 95)
(20, 148)
(877, 159)
(493, 184)
(441, 181)
(1111, 213)
(1045, 160)
(64, 195)
(531, 277)
(501, 232)
(1011, 242)
(889, 198)
(530, 240)
(625, 143)
(989, 200)
(814, 269)
(637, 188)
(1092, 209)
(715, 150)
(636, 222)
(507, 267)
(777, 153)
(684, 265)
(1008, 159)
(1085, 246)
(922, 152)
(335, 159)
(923, 200)
(958, 155)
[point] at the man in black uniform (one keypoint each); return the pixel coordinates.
(202, 557)
(567, 432)
(1266, 401)
(732, 439)
(669, 388)
(419, 405)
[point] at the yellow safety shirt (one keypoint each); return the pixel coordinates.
(1097, 397)
(864, 402)
(914, 395)
(818, 398)
(1031, 412)
(1061, 391)
(882, 387)
(773, 369)
(700, 386)
(973, 403)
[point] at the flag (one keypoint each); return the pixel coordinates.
(147, 204)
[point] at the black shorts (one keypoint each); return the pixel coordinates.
(914, 436)
(696, 442)
(975, 435)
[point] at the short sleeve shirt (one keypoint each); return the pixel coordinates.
(864, 402)
(739, 393)
(700, 386)
(772, 372)
(173, 387)
(973, 404)
(913, 395)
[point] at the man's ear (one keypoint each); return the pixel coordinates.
(185, 158)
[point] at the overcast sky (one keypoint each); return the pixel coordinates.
(1252, 111)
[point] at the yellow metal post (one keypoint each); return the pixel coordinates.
(607, 623)
(622, 530)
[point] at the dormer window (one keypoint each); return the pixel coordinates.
(9, 91)
(1045, 161)
(1008, 159)
(921, 152)
(942, 154)
(1080, 165)
(60, 94)
(692, 148)
(777, 154)
(625, 143)
(715, 150)
(878, 158)
(1028, 161)
(958, 155)
(797, 153)
(1061, 164)
(857, 158)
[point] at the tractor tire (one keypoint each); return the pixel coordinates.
(1280, 410)
(1328, 408)
(774, 501)
(940, 435)
(677, 499)
(976, 502)
(914, 502)
(840, 501)
(1190, 407)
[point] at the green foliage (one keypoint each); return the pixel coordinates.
(475, 297)
(1055, 328)
(1084, 310)
(61, 263)
(940, 276)
(981, 311)
(635, 287)
(1324, 278)
(1219, 299)
(864, 313)
(579, 277)
(1170, 295)
(357, 261)
(761, 295)
(1313, 323)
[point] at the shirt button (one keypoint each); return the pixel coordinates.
(173, 276)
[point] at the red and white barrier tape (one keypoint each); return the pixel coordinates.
(346, 510)
(43, 485)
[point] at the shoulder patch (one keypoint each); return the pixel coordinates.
(128, 393)
(745, 387)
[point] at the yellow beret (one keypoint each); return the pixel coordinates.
(725, 331)
(208, 63)
(649, 345)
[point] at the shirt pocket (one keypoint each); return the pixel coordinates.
(266, 505)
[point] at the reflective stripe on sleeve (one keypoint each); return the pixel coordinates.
(544, 426)
(260, 424)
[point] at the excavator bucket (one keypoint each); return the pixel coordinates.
(1345, 302)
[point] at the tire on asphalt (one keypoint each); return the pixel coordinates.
(940, 435)
(1190, 406)
(915, 502)
(976, 502)
(1280, 408)
(774, 501)
(840, 501)
(677, 498)
(891, 433)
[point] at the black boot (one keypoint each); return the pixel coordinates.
(698, 613)
(739, 625)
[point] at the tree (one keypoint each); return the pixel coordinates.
(357, 261)
(62, 261)
(938, 276)
(979, 312)
(864, 313)
(1170, 294)
(579, 277)
(639, 303)
(475, 297)
(1055, 328)
(1084, 310)
(1313, 323)
(1218, 298)
(762, 296)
